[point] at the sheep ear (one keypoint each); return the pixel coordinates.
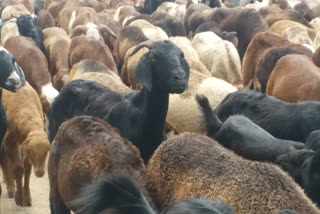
(143, 72)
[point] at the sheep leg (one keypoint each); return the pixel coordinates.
(18, 173)
(26, 189)
(8, 175)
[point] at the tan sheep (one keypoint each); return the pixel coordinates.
(193, 165)
(25, 144)
(219, 56)
(183, 112)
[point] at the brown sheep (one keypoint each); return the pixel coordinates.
(295, 78)
(256, 50)
(25, 143)
(45, 19)
(86, 150)
(128, 37)
(192, 165)
(56, 42)
(35, 67)
(83, 47)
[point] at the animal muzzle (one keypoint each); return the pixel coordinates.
(15, 81)
(39, 172)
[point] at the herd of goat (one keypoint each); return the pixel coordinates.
(153, 106)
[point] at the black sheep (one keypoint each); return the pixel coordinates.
(291, 121)
(139, 115)
(313, 141)
(27, 26)
(241, 135)
(304, 167)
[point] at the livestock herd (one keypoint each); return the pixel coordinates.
(153, 106)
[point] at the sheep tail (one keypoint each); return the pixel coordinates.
(212, 121)
(118, 193)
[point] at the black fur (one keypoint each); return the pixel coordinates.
(241, 135)
(7, 66)
(198, 206)
(139, 115)
(212, 3)
(27, 26)
(304, 167)
(151, 5)
(313, 141)
(291, 121)
(215, 28)
(119, 194)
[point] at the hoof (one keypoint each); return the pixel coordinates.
(10, 194)
(18, 199)
(27, 204)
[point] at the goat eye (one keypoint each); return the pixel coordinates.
(182, 55)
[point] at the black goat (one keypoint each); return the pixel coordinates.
(12, 79)
(139, 115)
(241, 135)
(313, 141)
(27, 26)
(291, 121)
(304, 167)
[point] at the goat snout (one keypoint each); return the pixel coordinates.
(180, 74)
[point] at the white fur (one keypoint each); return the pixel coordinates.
(310, 47)
(219, 56)
(14, 78)
(92, 30)
(49, 92)
(152, 32)
(117, 13)
(184, 114)
(72, 18)
(3, 49)
(176, 11)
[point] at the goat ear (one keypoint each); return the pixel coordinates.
(143, 72)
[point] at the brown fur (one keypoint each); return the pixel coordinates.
(283, 4)
(272, 14)
(192, 165)
(85, 150)
(108, 20)
(295, 78)
(83, 47)
(56, 42)
(128, 37)
(32, 61)
(45, 19)
(279, 26)
(84, 15)
(256, 50)
(55, 7)
(25, 143)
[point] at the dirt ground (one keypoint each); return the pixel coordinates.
(39, 188)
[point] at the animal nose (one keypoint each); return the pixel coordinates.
(14, 79)
(180, 75)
